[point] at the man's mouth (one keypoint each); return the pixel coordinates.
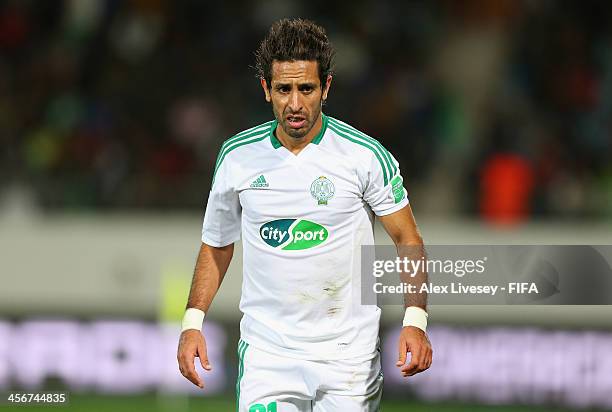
(296, 122)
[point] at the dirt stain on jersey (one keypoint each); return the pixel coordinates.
(333, 311)
(332, 290)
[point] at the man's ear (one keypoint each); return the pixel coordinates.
(264, 86)
(328, 82)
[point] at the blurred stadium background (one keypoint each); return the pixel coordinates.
(111, 115)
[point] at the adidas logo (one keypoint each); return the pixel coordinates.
(260, 182)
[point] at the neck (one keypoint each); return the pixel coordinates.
(296, 145)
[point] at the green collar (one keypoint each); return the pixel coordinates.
(276, 143)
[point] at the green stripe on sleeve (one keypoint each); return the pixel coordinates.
(247, 139)
(392, 169)
(240, 137)
(365, 144)
(348, 127)
(262, 126)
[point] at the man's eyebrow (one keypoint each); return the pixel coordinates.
(280, 83)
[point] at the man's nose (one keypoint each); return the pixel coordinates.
(295, 101)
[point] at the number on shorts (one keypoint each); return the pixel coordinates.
(258, 407)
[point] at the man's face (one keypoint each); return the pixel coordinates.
(296, 95)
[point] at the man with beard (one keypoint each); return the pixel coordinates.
(302, 191)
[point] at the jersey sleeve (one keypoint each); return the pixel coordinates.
(384, 187)
(221, 225)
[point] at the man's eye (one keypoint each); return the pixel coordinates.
(306, 89)
(283, 89)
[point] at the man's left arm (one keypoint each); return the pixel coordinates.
(402, 229)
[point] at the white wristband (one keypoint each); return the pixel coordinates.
(193, 319)
(415, 316)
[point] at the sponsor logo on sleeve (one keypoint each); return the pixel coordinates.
(397, 189)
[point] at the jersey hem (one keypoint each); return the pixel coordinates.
(214, 243)
(395, 208)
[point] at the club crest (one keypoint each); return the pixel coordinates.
(322, 189)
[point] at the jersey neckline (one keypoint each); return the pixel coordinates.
(277, 144)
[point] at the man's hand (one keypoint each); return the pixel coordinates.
(192, 344)
(415, 341)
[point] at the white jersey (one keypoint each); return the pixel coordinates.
(303, 219)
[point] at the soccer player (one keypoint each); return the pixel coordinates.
(302, 191)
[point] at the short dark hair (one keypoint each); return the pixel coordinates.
(294, 39)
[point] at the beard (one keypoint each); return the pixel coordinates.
(298, 133)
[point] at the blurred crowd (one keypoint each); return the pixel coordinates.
(499, 109)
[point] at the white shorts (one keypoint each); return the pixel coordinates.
(271, 383)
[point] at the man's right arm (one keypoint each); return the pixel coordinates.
(210, 269)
